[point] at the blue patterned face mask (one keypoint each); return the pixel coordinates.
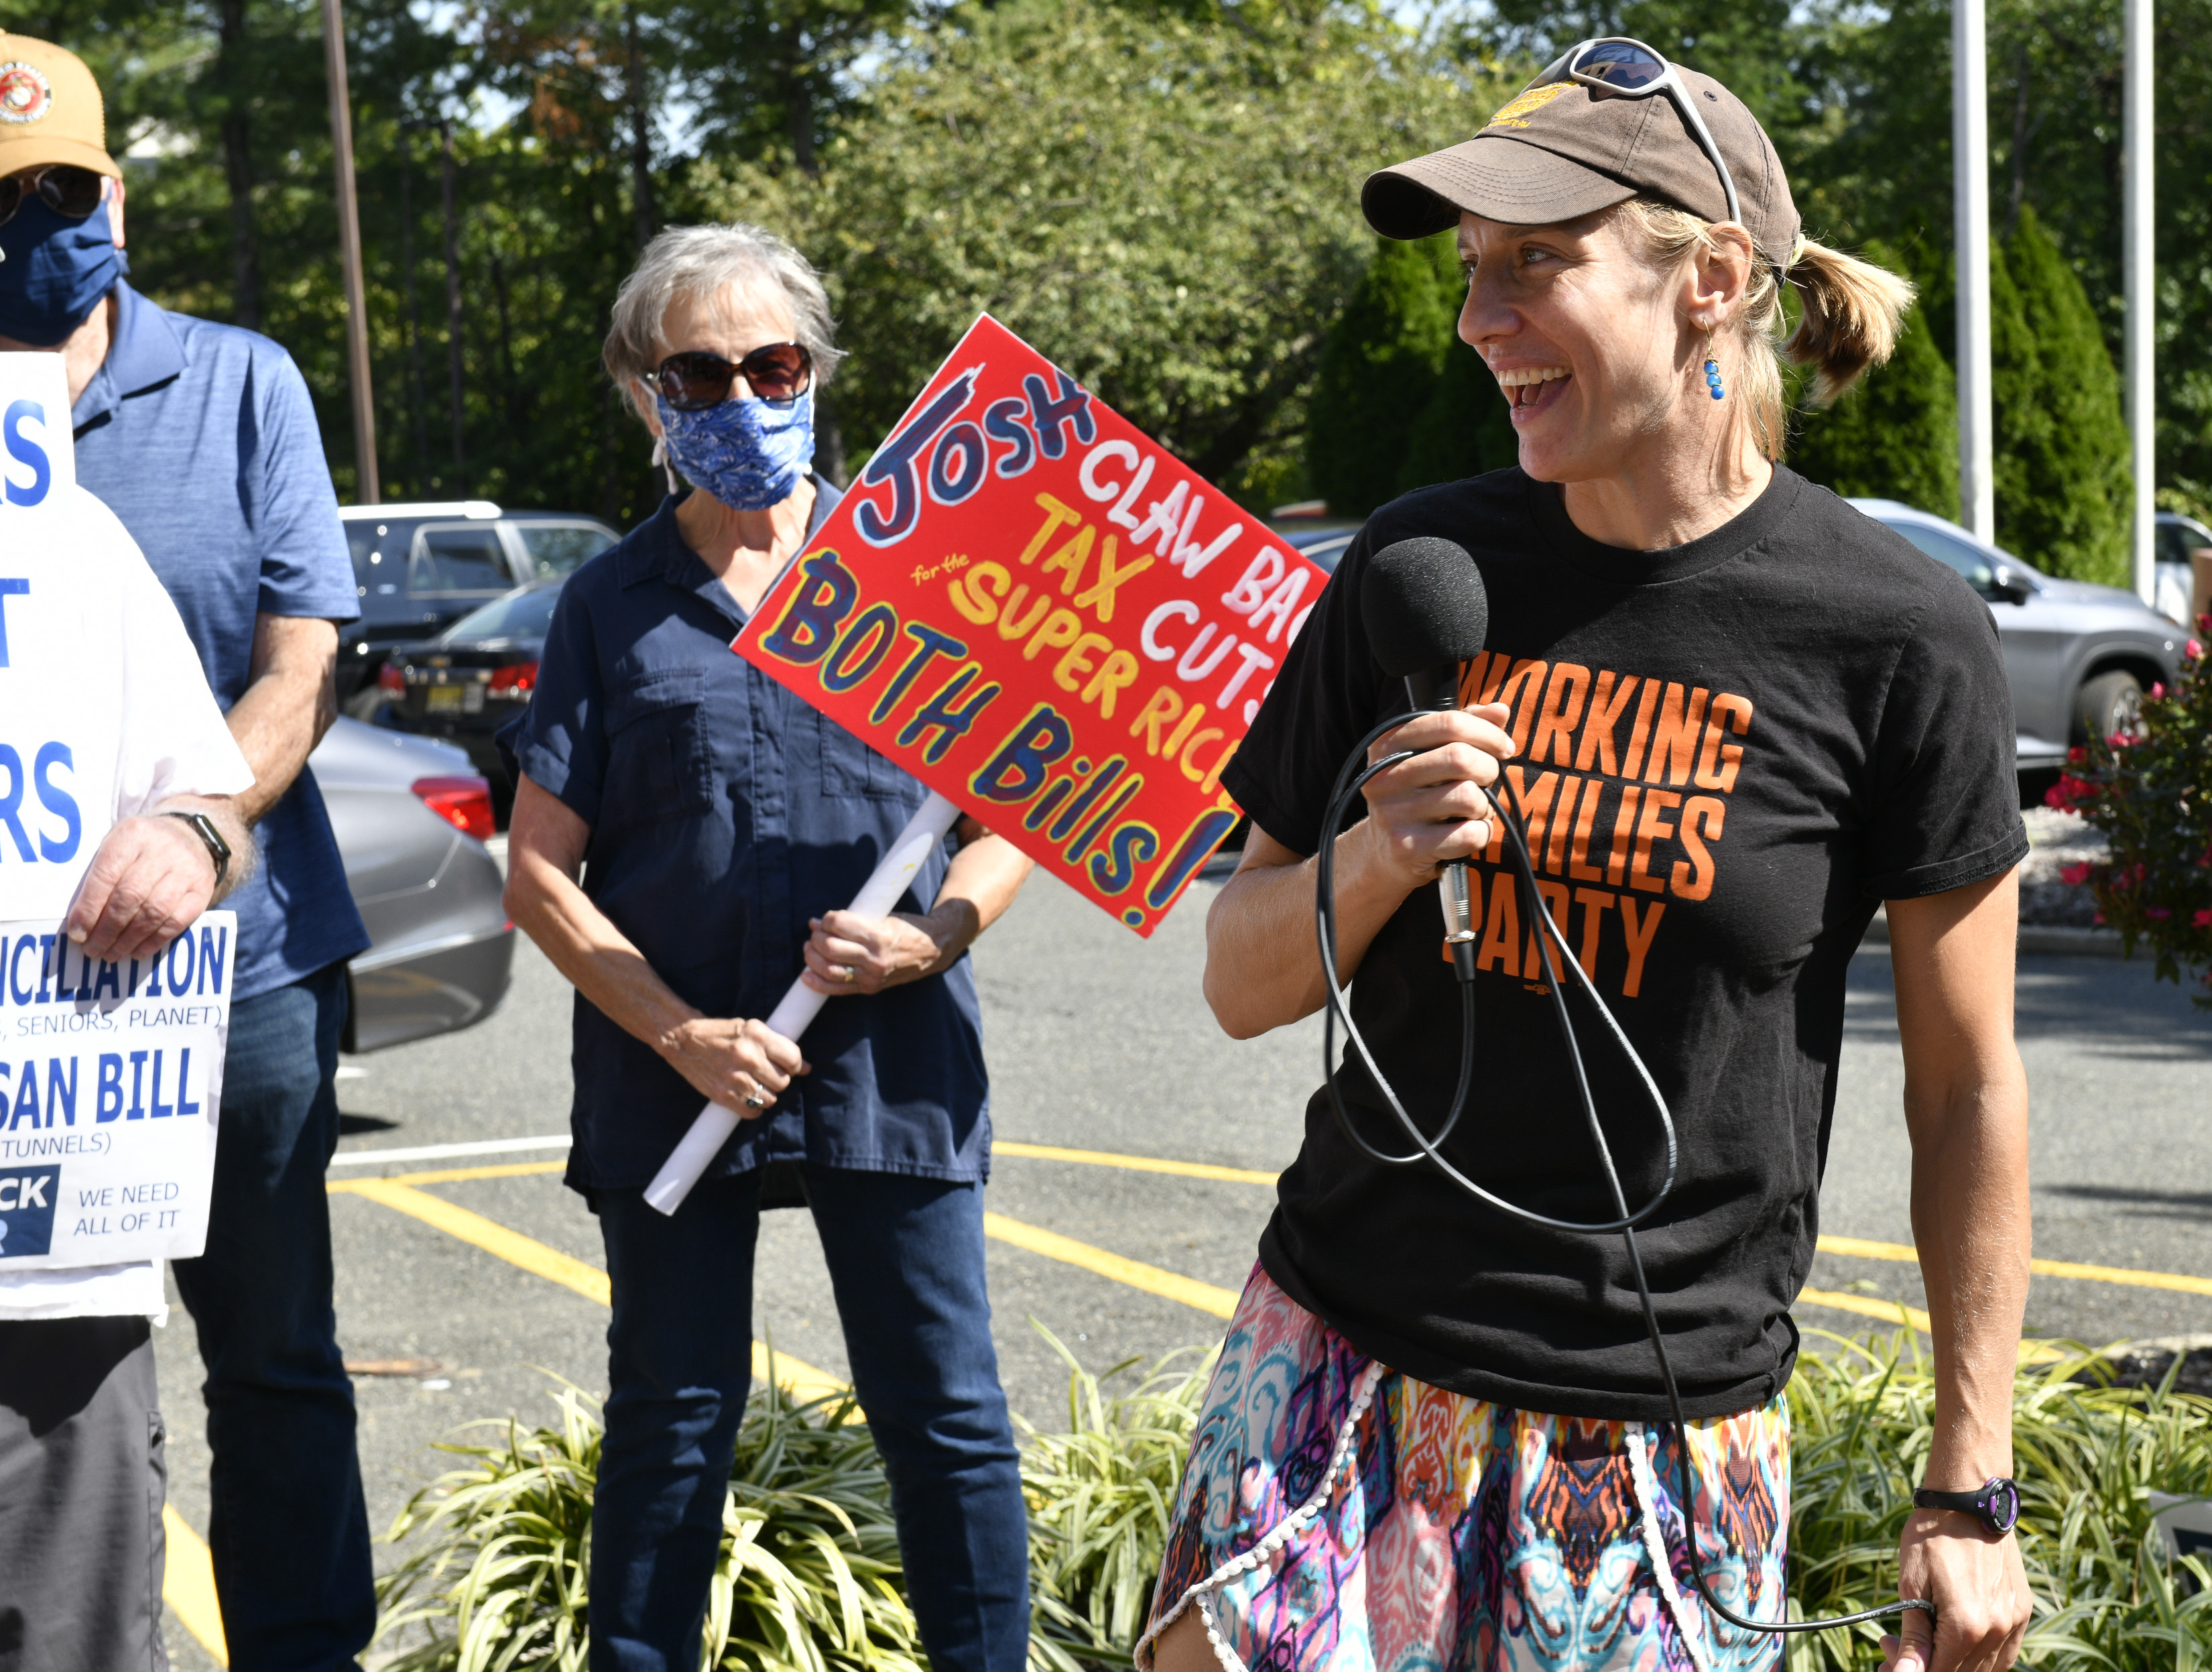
(748, 454)
(54, 271)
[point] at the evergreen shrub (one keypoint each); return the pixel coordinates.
(1894, 436)
(1377, 373)
(2062, 445)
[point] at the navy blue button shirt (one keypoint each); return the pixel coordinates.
(723, 813)
(202, 439)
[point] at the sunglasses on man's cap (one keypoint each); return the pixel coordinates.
(70, 191)
(694, 380)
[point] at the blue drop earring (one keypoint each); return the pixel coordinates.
(1713, 370)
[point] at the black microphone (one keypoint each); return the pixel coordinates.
(1427, 612)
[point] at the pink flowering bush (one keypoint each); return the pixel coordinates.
(2151, 794)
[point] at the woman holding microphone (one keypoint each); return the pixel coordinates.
(680, 820)
(1735, 717)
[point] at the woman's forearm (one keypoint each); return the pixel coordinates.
(978, 885)
(598, 958)
(1262, 958)
(1970, 1223)
(1966, 1108)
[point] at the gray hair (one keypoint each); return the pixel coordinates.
(698, 263)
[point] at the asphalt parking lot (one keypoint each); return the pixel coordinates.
(468, 1279)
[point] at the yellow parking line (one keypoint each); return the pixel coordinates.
(1141, 1163)
(188, 1585)
(1889, 1311)
(1857, 1246)
(1134, 1273)
(456, 1175)
(1860, 1248)
(533, 1256)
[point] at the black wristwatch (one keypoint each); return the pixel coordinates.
(218, 850)
(1996, 1506)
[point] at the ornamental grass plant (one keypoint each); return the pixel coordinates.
(2087, 1454)
(2151, 794)
(809, 1577)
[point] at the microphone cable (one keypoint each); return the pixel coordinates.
(1351, 780)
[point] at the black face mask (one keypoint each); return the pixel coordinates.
(54, 271)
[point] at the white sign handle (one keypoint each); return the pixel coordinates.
(800, 1007)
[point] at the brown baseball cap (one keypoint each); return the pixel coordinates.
(49, 109)
(1565, 149)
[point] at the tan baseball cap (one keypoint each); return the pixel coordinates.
(1565, 150)
(49, 109)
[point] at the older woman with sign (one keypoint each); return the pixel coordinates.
(682, 827)
(1509, 1392)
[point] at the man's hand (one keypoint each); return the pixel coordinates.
(848, 953)
(730, 1059)
(1979, 1588)
(151, 880)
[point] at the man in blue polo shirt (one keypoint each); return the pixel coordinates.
(201, 440)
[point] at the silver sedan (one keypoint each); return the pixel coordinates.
(2079, 657)
(411, 817)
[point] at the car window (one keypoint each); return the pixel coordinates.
(523, 614)
(380, 556)
(2176, 540)
(1968, 560)
(465, 559)
(558, 549)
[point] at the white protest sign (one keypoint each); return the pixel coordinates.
(110, 1077)
(110, 1073)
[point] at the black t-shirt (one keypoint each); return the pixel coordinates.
(1729, 752)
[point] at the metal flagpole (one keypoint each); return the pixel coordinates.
(1970, 194)
(2138, 170)
(364, 405)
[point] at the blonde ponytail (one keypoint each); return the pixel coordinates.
(1851, 312)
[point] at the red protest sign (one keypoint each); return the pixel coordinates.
(1039, 613)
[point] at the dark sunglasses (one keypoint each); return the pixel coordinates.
(69, 191)
(694, 380)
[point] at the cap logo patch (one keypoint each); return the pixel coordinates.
(1534, 100)
(25, 93)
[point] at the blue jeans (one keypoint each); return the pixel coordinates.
(906, 1256)
(286, 1526)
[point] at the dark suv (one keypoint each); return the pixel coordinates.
(421, 568)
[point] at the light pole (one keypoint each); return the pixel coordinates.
(364, 405)
(2138, 170)
(1970, 197)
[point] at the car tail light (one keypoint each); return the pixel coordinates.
(392, 680)
(464, 802)
(516, 679)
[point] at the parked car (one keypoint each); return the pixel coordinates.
(412, 821)
(2176, 537)
(466, 683)
(2078, 657)
(420, 568)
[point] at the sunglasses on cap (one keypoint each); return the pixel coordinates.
(1630, 69)
(694, 380)
(70, 191)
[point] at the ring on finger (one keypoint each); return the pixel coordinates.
(756, 1099)
(847, 974)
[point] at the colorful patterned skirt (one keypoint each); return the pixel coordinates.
(1338, 1515)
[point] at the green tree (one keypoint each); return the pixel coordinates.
(1377, 373)
(1161, 205)
(1894, 436)
(2061, 445)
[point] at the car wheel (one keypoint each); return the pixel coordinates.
(2110, 703)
